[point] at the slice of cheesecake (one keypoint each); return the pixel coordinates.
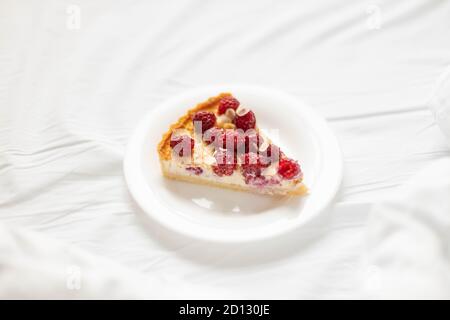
(218, 143)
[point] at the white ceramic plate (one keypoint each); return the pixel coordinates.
(230, 216)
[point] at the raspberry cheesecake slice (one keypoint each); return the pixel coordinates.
(218, 143)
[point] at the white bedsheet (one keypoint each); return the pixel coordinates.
(409, 239)
(76, 77)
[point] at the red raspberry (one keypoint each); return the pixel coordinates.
(180, 144)
(195, 170)
(252, 169)
(231, 140)
(223, 170)
(289, 169)
(246, 121)
(252, 164)
(252, 159)
(211, 135)
(206, 119)
(252, 141)
(226, 163)
(249, 141)
(227, 103)
(273, 151)
(257, 181)
(271, 154)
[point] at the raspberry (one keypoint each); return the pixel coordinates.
(226, 163)
(211, 135)
(257, 181)
(271, 154)
(289, 169)
(180, 144)
(195, 170)
(273, 151)
(252, 165)
(245, 121)
(252, 159)
(252, 169)
(206, 119)
(230, 139)
(223, 170)
(252, 141)
(227, 103)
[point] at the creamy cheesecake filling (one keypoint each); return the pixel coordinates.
(276, 186)
(199, 167)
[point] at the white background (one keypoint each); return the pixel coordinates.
(76, 77)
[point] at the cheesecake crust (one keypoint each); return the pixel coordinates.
(300, 190)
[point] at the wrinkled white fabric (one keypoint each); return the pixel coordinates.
(76, 77)
(409, 238)
(33, 266)
(409, 232)
(440, 101)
